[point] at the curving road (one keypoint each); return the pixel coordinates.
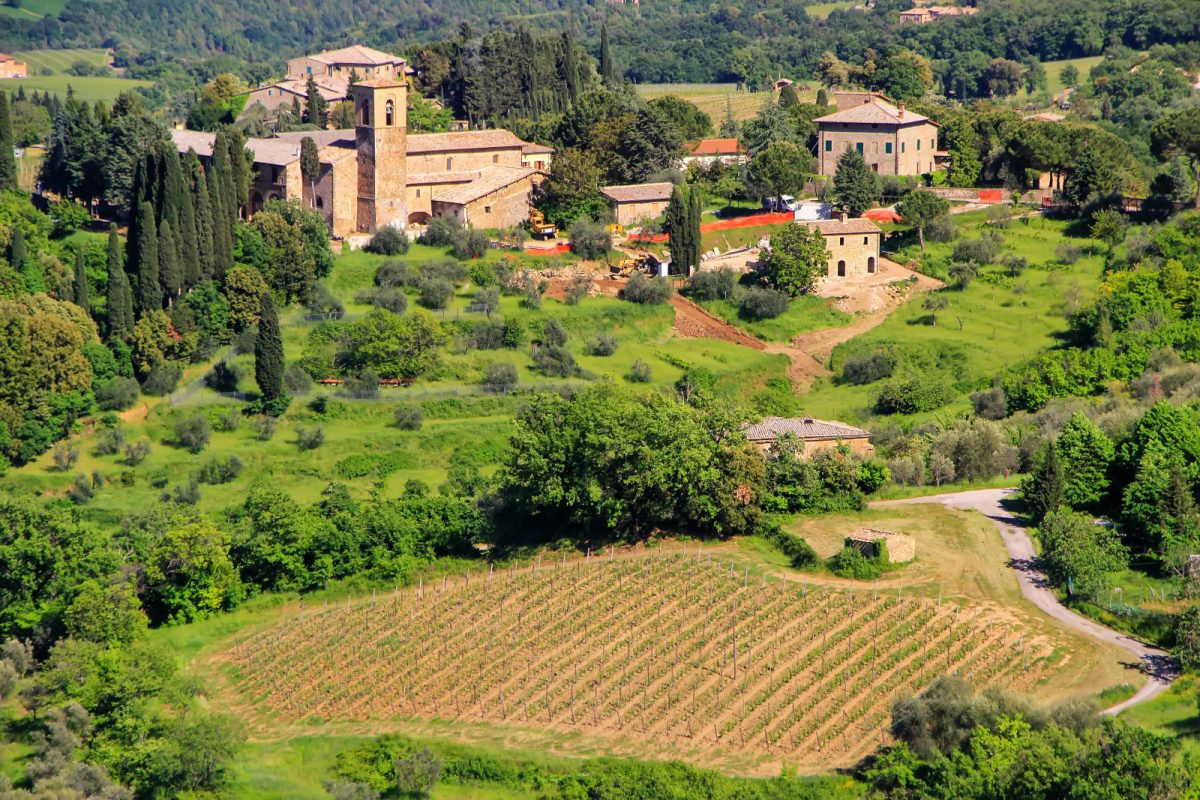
(1159, 666)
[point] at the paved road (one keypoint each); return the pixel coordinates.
(1160, 668)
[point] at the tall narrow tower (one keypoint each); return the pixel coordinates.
(380, 132)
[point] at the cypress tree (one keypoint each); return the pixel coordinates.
(149, 291)
(119, 296)
(608, 70)
(694, 212)
(240, 166)
(170, 272)
(189, 243)
(8, 163)
(570, 67)
(224, 207)
(268, 352)
(171, 197)
(204, 227)
(16, 249)
(1044, 489)
(675, 226)
(314, 105)
(81, 283)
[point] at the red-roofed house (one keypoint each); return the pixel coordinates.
(11, 68)
(708, 151)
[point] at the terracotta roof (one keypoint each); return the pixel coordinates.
(6, 57)
(463, 140)
(323, 138)
(876, 112)
(639, 192)
(529, 149)
(330, 90)
(836, 227)
(717, 147)
(806, 428)
(356, 54)
(492, 179)
(381, 83)
(430, 178)
(276, 152)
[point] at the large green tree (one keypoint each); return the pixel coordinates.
(1178, 133)
(921, 207)
(795, 259)
(1086, 454)
(608, 67)
(150, 296)
(779, 168)
(683, 230)
(80, 282)
(1044, 488)
(1077, 553)
(855, 186)
(119, 297)
(8, 162)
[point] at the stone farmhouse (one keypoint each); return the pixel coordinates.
(637, 202)
(376, 174)
(920, 16)
(893, 141)
(815, 434)
(332, 72)
(11, 68)
(853, 245)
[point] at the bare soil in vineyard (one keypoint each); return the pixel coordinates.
(701, 654)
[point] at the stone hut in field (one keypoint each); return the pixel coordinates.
(887, 546)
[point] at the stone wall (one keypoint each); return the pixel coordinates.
(856, 250)
(462, 161)
(633, 213)
(913, 146)
(503, 208)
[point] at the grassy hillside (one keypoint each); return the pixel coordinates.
(89, 89)
(33, 9)
(711, 98)
(56, 62)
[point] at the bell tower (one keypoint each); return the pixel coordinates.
(380, 133)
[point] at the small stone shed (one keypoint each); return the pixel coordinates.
(893, 548)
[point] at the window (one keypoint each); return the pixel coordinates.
(365, 115)
(270, 93)
(487, 209)
(495, 158)
(841, 269)
(310, 70)
(829, 145)
(859, 148)
(418, 192)
(864, 240)
(389, 113)
(918, 144)
(902, 147)
(449, 164)
(841, 240)
(887, 148)
(320, 202)
(933, 144)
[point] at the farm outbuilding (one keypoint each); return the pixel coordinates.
(893, 548)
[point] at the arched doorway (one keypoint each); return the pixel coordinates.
(841, 269)
(418, 218)
(320, 202)
(256, 203)
(871, 265)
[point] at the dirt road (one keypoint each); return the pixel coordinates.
(1158, 665)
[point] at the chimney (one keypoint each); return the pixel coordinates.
(901, 107)
(843, 216)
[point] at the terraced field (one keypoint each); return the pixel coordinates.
(677, 649)
(712, 98)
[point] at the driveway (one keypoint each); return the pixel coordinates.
(1158, 665)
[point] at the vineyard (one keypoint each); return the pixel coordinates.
(674, 647)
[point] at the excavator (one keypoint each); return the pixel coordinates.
(629, 265)
(539, 227)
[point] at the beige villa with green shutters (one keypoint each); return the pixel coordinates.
(893, 140)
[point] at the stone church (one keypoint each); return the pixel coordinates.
(377, 174)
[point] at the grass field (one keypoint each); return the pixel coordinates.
(57, 62)
(823, 10)
(89, 89)
(33, 9)
(1054, 70)
(997, 322)
(804, 314)
(714, 98)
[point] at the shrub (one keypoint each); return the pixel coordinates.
(363, 386)
(486, 300)
(867, 368)
(322, 301)
(193, 433)
(117, 394)
(990, 404)
(760, 302)
(219, 470)
(1067, 253)
(185, 494)
(553, 333)
(65, 455)
(602, 344)
(1014, 264)
(941, 229)
(531, 293)
(388, 241)
(555, 361)
(409, 418)
(472, 244)
(589, 239)
(912, 394)
(514, 334)
(500, 377)
(639, 372)
(111, 440)
(646, 290)
(264, 427)
(979, 252)
(487, 335)
(435, 293)
(162, 379)
(310, 438)
(716, 285)
(446, 269)
(81, 490)
(580, 288)
(390, 298)
(229, 421)
(394, 274)
(442, 232)
(482, 275)
(798, 551)
(296, 379)
(224, 377)
(849, 562)
(136, 452)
